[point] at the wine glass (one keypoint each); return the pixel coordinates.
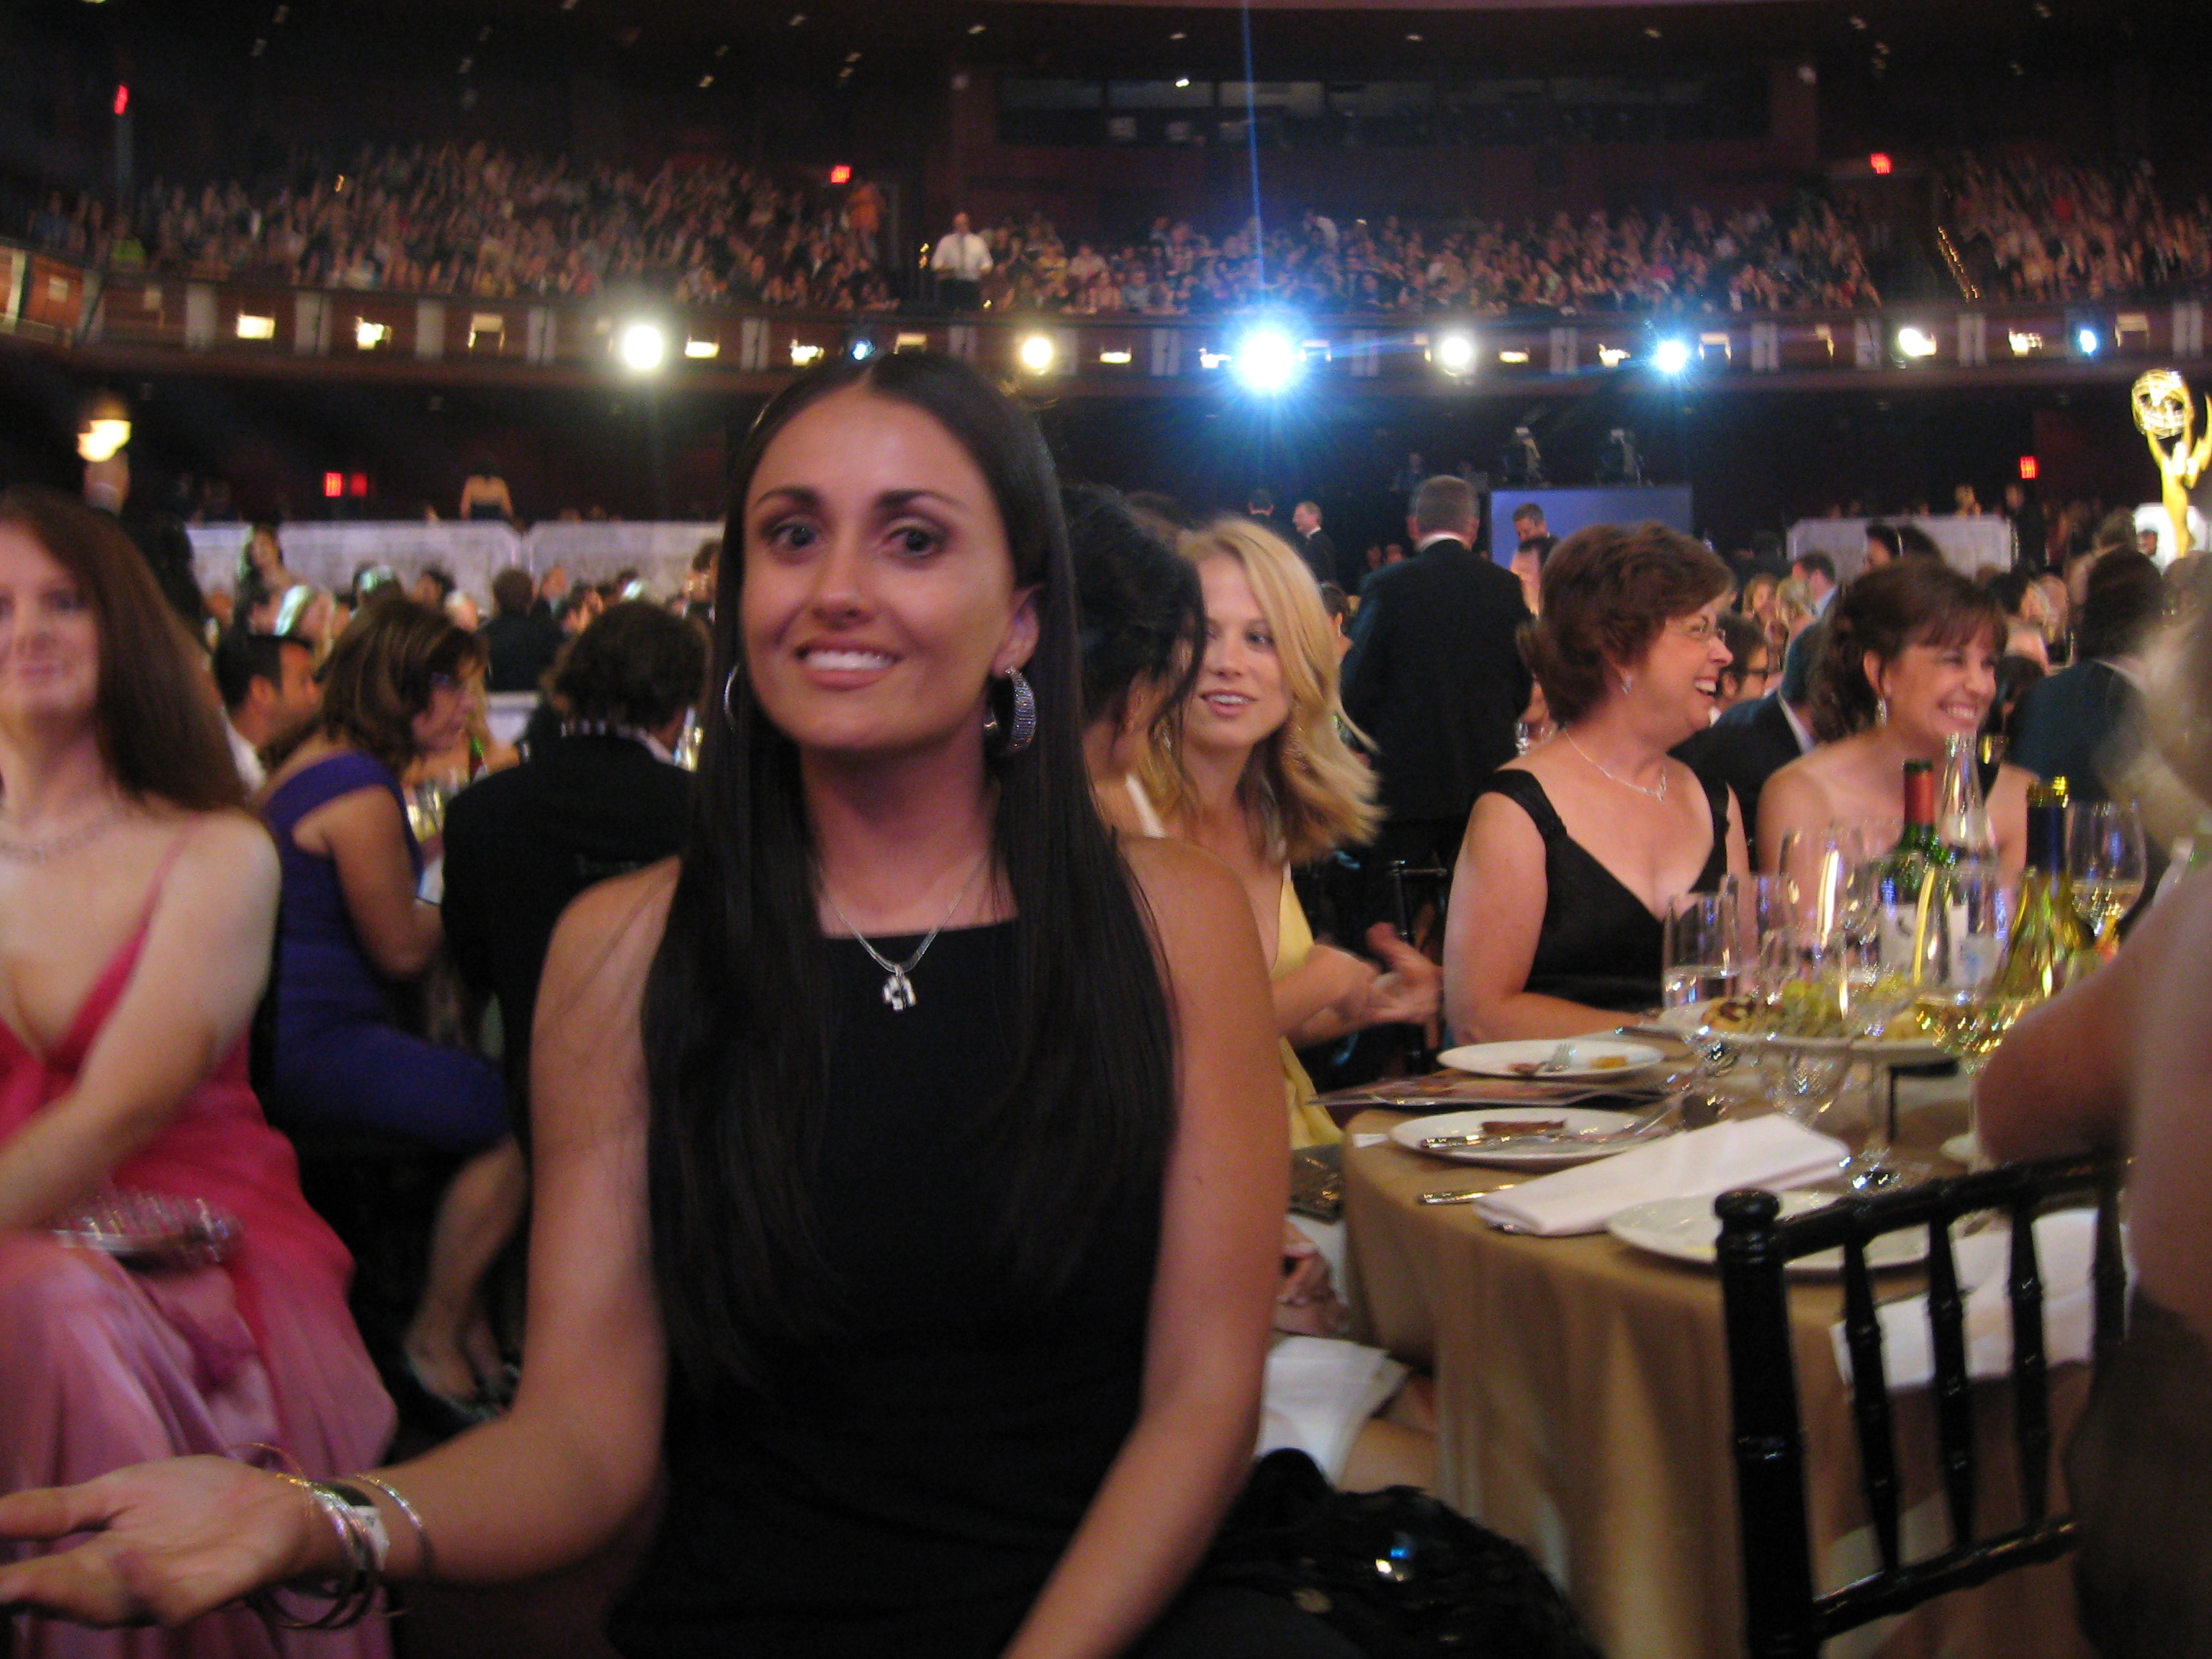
(1956, 976)
(1875, 967)
(2105, 860)
(1699, 964)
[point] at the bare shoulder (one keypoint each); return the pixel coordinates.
(1187, 889)
(606, 939)
(224, 860)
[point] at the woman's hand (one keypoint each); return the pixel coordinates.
(1406, 991)
(170, 1542)
(1306, 1303)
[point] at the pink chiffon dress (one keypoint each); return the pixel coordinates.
(102, 1366)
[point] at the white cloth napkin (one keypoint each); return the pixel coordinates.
(1770, 1152)
(1319, 1391)
(2065, 1246)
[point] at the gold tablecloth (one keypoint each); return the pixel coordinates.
(1583, 1393)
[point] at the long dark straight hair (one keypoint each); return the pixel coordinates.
(735, 1026)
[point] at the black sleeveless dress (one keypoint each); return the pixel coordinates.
(908, 1489)
(1599, 944)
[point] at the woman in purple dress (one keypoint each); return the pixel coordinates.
(352, 930)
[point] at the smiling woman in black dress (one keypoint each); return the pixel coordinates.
(909, 1182)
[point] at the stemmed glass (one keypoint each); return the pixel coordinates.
(1956, 969)
(1700, 962)
(2105, 861)
(1874, 968)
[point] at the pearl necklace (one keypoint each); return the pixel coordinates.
(1660, 794)
(898, 990)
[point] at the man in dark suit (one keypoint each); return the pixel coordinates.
(1754, 739)
(598, 796)
(520, 641)
(2082, 723)
(1313, 542)
(1435, 677)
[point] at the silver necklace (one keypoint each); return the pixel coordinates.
(898, 989)
(43, 851)
(1660, 794)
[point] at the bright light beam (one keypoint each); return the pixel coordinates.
(1265, 361)
(644, 347)
(1672, 357)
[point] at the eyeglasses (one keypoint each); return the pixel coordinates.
(1702, 628)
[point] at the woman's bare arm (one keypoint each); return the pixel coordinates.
(2059, 1082)
(1212, 1291)
(558, 1475)
(199, 974)
(362, 833)
(1496, 911)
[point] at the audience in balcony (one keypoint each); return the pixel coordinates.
(2032, 227)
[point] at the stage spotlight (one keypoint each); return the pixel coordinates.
(860, 347)
(1672, 357)
(1916, 343)
(1265, 361)
(644, 347)
(1036, 353)
(104, 428)
(1455, 353)
(2088, 339)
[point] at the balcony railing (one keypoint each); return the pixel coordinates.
(142, 318)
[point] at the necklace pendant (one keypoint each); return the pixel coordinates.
(898, 991)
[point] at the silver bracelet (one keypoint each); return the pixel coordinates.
(414, 1518)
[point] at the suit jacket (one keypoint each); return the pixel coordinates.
(2075, 724)
(1319, 555)
(520, 648)
(521, 843)
(1744, 752)
(1435, 677)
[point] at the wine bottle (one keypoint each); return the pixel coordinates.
(2049, 947)
(1900, 873)
(1962, 819)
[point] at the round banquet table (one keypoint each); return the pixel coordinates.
(1582, 1403)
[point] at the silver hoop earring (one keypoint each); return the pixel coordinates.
(1021, 731)
(727, 714)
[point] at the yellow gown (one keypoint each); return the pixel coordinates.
(1311, 1124)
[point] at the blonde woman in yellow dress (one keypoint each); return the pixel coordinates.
(1264, 779)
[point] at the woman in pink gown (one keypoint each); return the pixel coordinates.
(135, 911)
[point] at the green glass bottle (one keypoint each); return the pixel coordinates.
(2048, 948)
(1900, 873)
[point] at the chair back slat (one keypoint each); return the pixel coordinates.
(1870, 1401)
(1954, 1410)
(2108, 1271)
(1770, 1445)
(2031, 1383)
(1785, 1618)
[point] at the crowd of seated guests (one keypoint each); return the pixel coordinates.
(1798, 255)
(443, 218)
(2038, 228)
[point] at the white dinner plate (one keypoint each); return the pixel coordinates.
(1592, 1058)
(1687, 1230)
(1532, 1153)
(1890, 1051)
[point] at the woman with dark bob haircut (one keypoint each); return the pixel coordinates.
(906, 1155)
(352, 931)
(1909, 660)
(1577, 849)
(137, 903)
